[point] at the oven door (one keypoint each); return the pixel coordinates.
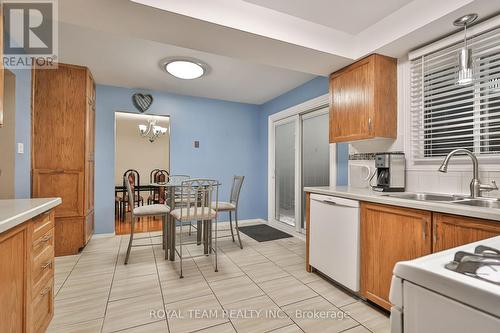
(429, 312)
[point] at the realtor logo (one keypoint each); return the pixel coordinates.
(30, 33)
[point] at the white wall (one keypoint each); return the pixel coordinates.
(424, 178)
(135, 152)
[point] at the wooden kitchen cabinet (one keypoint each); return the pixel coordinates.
(13, 275)
(451, 231)
(389, 234)
(363, 100)
(63, 131)
(27, 275)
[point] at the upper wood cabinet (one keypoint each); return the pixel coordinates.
(389, 234)
(363, 100)
(451, 231)
(63, 130)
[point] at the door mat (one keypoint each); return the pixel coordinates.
(263, 232)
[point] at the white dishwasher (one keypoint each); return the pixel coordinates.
(334, 239)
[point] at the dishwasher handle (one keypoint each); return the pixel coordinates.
(334, 201)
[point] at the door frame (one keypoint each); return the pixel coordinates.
(311, 105)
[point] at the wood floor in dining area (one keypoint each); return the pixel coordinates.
(143, 224)
(262, 288)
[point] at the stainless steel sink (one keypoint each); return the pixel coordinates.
(426, 196)
(487, 203)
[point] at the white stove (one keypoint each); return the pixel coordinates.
(427, 297)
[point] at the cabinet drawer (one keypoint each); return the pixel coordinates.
(42, 266)
(42, 223)
(40, 244)
(43, 307)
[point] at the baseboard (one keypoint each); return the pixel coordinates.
(248, 221)
(111, 234)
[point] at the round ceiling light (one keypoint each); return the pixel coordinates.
(182, 68)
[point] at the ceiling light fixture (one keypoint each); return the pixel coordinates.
(465, 73)
(184, 68)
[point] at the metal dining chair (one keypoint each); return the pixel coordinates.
(177, 199)
(201, 197)
(144, 211)
(131, 177)
(232, 207)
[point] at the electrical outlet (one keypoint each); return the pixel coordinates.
(197, 144)
(20, 148)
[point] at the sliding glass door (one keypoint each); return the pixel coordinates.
(285, 171)
(301, 158)
(315, 153)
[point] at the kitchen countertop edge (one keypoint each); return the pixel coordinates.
(367, 195)
(17, 211)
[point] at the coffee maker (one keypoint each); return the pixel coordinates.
(390, 173)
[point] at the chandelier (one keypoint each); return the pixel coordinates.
(152, 130)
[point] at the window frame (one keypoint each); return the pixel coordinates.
(426, 163)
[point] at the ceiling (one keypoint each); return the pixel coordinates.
(350, 16)
(257, 49)
(122, 61)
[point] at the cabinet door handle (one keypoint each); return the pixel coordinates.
(45, 291)
(434, 234)
(370, 123)
(46, 265)
(45, 238)
(424, 229)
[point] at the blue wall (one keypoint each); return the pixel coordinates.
(228, 145)
(233, 140)
(311, 89)
(23, 133)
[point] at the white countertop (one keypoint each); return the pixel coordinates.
(366, 194)
(16, 211)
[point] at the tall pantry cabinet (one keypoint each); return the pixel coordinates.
(63, 122)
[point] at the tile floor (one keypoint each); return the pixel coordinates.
(262, 288)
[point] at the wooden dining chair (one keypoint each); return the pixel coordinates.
(157, 195)
(160, 210)
(151, 190)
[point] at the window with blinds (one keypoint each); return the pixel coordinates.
(446, 116)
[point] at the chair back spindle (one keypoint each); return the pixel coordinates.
(236, 189)
(198, 195)
(132, 177)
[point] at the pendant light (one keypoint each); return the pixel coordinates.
(465, 54)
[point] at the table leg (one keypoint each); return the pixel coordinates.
(199, 228)
(172, 238)
(172, 223)
(167, 236)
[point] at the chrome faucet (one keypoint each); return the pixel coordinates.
(475, 185)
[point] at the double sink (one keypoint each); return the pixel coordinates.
(449, 198)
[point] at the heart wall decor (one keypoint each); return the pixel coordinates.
(142, 101)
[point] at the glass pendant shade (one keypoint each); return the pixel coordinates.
(465, 66)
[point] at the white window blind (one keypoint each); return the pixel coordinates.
(446, 116)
